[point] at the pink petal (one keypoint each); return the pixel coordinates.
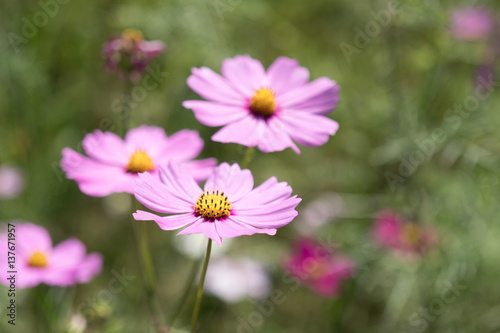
(106, 147)
(150, 139)
(67, 255)
(323, 103)
(170, 222)
(32, 238)
(215, 114)
(152, 48)
(308, 92)
(285, 74)
(214, 87)
(180, 181)
(229, 228)
(231, 180)
(309, 129)
(245, 74)
(251, 131)
(29, 277)
(266, 193)
(201, 169)
(203, 227)
(274, 215)
(181, 146)
(96, 178)
(89, 268)
(158, 197)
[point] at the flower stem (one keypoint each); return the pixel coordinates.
(186, 290)
(248, 157)
(199, 295)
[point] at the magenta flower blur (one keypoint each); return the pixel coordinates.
(320, 269)
(389, 231)
(129, 54)
(11, 181)
(37, 261)
(472, 24)
(113, 163)
(227, 207)
(272, 110)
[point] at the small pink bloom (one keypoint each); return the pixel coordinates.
(321, 269)
(472, 24)
(129, 54)
(37, 261)
(391, 232)
(228, 206)
(268, 109)
(11, 181)
(113, 163)
(233, 280)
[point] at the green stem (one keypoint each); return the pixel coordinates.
(248, 157)
(199, 295)
(185, 293)
(147, 268)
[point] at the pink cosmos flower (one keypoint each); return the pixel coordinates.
(37, 261)
(233, 280)
(113, 163)
(472, 24)
(227, 207)
(11, 181)
(270, 109)
(129, 54)
(319, 268)
(391, 232)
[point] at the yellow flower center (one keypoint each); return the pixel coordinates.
(140, 162)
(213, 205)
(133, 35)
(411, 234)
(263, 102)
(37, 259)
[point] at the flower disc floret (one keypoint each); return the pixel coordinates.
(140, 162)
(213, 205)
(37, 259)
(263, 103)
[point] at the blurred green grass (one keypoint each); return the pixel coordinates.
(394, 92)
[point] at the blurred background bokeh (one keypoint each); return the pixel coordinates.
(418, 136)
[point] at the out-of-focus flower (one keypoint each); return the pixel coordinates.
(113, 163)
(77, 323)
(472, 24)
(391, 232)
(11, 181)
(270, 109)
(318, 213)
(37, 261)
(194, 246)
(129, 54)
(233, 280)
(319, 268)
(228, 206)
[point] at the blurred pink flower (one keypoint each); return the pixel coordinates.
(227, 207)
(472, 24)
(270, 109)
(37, 261)
(113, 163)
(391, 232)
(318, 268)
(129, 54)
(11, 181)
(233, 280)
